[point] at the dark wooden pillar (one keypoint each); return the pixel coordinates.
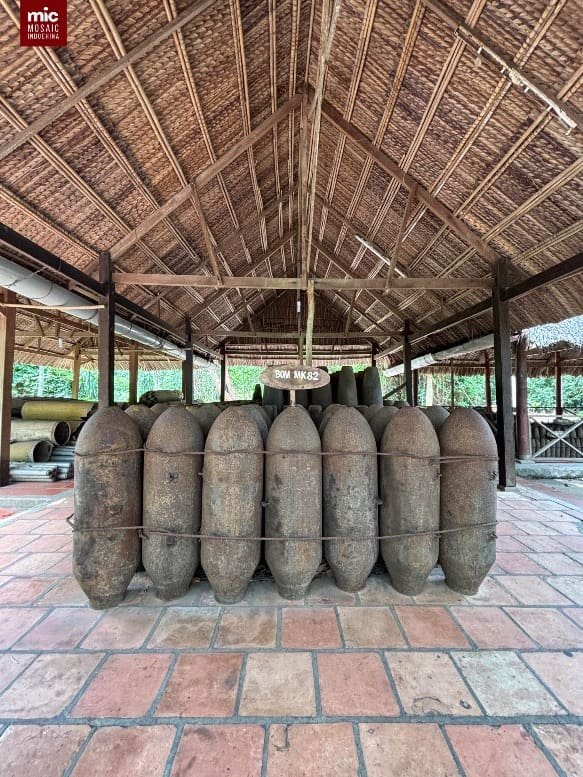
(407, 363)
(558, 385)
(373, 357)
(487, 383)
(503, 366)
(133, 369)
(187, 365)
(7, 332)
(522, 421)
(76, 372)
(223, 372)
(106, 342)
(415, 387)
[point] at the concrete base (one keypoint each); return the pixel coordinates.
(544, 470)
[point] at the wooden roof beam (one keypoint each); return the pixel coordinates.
(247, 334)
(104, 77)
(203, 178)
(461, 229)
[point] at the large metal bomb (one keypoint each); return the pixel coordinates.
(322, 396)
(108, 494)
(378, 423)
(293, 490)
(143, 417)
(206, 415)
(231, 503)
(371, 392)
(350, 488)
(410, 499)
(172, 501)
(468, 496)
(437, 415)
(347, 392)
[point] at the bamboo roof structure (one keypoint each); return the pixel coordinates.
(384, 151)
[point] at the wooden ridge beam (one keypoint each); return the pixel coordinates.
(104, 76)
(203, 178)
(248, 334)
(251, 282)
(461, 229)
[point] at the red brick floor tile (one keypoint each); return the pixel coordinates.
(543, 544)
(309, 628)
(575, 613)
(565, 527)
(379, 591)
(122, 628)
(355, 684)
(569, 586)
(503, 751)
(185, 627)
(264, 593)
(11, 665)
(557, 563)
(324, 590)
(124, 687)
(565, 743)
(572, 543)
(126, 752)
(532, 590)
(20, 526)
(219, 751)
(437, 592)
(51, 543)
(64, 567)
(35, 564)
(14, 542)
(203, 685)
(47, 686)
(429, 683)
(506, 544)
(504, 685)
(508, 528)
(278, 684)
(39, 750)
(563, 674)
(67, 591)
(491, 593)
(518, 564)
(300, 750)
(490, 627)
(16, 621)
(430, 627)
(7, 559)
(369, 627)
(247, 627)
(63, 628)
(548, 626)
(537, 528)
(24, 590)
(406, 750)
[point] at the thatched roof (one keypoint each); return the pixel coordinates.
(564, 334)
(90, 170)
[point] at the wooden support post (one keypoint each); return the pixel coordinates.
(187, 365)
(223, 372)
(452, 385)
(7, 332)
(487, 382)
(76, 372)
(503, 366)
(373, 357)
(106, 344)
(407, 362)
(523, 446)
(310, 322)
(134, 366)
(415, 387)
(558, 385)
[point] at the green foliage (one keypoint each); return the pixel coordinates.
(29, 380)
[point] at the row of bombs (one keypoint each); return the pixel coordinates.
(345, 387)
(303, 492)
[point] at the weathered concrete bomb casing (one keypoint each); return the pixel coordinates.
(172, 501)
(316, 413)
(293, 491)
(256, 413)
(326, 416)
(159, 408)
(468, 496)
(410, 498)
(347, 393)
(322, 396)
(108, 493)
(437, 415)
(378, 423)
(371, 410)
(350, 490)
(143, 417)
(231, 503)
(371, 392)
(274, 396)
(206, 415)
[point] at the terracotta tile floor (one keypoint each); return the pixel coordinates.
(368, 685)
